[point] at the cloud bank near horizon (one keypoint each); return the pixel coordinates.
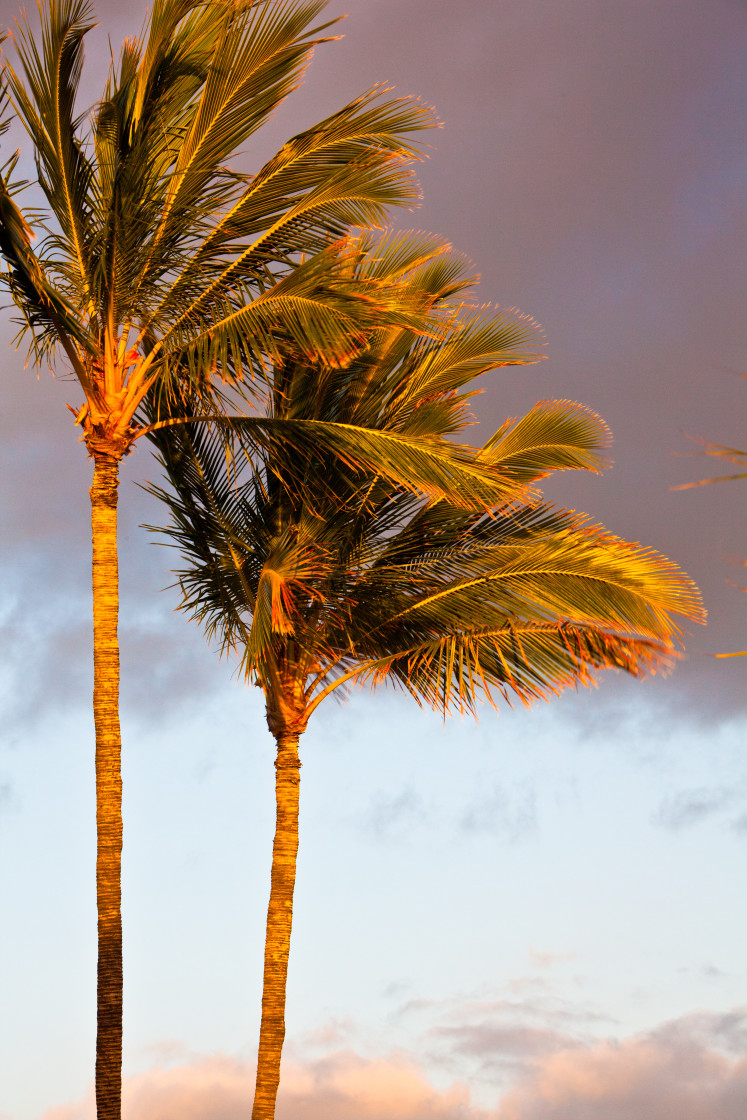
(693, 1068)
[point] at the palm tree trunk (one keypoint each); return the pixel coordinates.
(108, 787)
(279, 920)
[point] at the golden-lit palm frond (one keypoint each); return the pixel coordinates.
(580, 573)
(45, 310)
(524, 660)
(316, 313)
(258, 55)
(46, 106)
(436, 469)
(719, 451)
(553, 436)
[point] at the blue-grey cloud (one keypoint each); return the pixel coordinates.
(6, 794)
(392, 816)
(507, 813)
(694, 806)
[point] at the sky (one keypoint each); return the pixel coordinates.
(531, 917)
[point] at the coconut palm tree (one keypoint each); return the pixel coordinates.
(159, 265)
(320, 569)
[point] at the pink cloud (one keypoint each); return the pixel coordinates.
(342, 1086)
(661, 1076)
(682, 1070)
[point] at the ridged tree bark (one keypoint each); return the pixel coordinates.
(108, 786)
(279, 921)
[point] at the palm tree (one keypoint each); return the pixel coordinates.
(160, 266)
(320, 568)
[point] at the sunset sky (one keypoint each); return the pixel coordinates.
(535, 917)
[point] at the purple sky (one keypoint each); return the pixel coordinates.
(592, 165)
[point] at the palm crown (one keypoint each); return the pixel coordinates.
(353, 538)
(162, 261)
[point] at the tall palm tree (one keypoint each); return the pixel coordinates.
(320, 568)
(159, 265)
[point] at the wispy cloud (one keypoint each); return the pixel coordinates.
(694, 806)
(502, 1038)
(6, 795)
(541, 959)
(508, 813)
(392, 816)
(502, 1048)
(706, 971)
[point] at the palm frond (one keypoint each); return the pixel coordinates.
(257, 61)
(528, 661)
(298, 204)
(437, 470)
(46, 106)
(584, 575)
(46, 310)
(553, 436)
(718, 451)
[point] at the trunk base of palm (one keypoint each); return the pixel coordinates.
(279, 921)
(108, 786)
